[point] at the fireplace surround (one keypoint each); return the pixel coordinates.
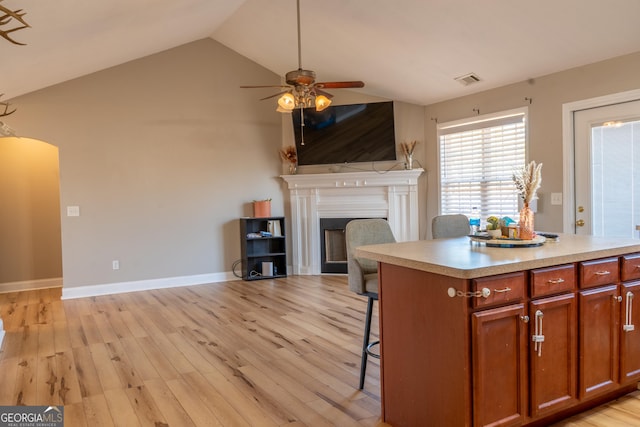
(392, 195)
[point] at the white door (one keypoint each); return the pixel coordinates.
(607, 170)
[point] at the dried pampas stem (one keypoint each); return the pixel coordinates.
(528, 181)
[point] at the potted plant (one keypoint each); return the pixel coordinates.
(493, 227)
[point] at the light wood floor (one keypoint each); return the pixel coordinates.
(265, 353)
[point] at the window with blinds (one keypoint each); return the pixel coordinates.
(477, 161)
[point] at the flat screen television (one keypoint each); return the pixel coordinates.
(345, 134)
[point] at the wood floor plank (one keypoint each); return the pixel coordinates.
(213, 399)
(69, 387)
(122, 412)
(282, 352)
(168, 404)
(96, 410)
(145, 407)
(74, 415)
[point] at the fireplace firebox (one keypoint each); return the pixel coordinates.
(333, 246)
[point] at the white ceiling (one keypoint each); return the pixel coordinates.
(407, 50)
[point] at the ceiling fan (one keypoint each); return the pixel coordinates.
(302, 90)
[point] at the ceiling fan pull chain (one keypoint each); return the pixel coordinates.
(301, 124)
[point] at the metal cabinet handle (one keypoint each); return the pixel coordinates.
(555, 281)
(628, 326)
(484, 293)
(538, 337)
(525, 319)
(602, 273)
(500, 291)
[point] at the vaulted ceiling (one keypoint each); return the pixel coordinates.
(407, 50)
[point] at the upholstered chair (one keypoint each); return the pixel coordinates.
(455, 225)
(363, 273)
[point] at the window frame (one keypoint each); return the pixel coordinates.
(479, 122)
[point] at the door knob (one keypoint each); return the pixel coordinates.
(580, 223)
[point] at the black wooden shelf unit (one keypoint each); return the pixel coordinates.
(262, 242)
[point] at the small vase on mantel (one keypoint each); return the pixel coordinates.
(293, 168)
(409, 162)
(526, 223)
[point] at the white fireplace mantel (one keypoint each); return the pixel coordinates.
(392, 195)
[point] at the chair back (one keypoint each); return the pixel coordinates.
(361, 232)
(455, 225)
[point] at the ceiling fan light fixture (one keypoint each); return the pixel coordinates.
(322, 102)
(287, 102)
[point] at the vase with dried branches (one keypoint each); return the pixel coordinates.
(527, 181)
(407, 150)
(289, 155)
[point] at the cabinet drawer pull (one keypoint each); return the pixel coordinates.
(525, 319)
(555, 281)
(602, 273)
(500, 291)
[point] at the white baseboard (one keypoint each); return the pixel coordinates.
(145, 285)
(29, 285)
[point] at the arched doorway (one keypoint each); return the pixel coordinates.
(30, 231)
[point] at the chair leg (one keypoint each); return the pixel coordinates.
(365, 343)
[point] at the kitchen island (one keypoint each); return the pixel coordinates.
(474, 335)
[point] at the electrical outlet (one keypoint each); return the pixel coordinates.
(115, 264)
(556, 198)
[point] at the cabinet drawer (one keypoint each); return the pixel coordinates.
(502, 289)
(598, 272)
(553, 280)
(630, 269)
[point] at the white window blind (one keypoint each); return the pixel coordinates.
(477, 161)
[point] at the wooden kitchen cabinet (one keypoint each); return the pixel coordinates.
(553, 360)
(500, 365)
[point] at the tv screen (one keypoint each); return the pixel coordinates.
(345, 134)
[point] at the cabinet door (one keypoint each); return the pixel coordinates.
(553, 354)
(499, 360)
(630, 333)
(598, 337)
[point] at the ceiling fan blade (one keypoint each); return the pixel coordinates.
(339, 85)
(274, 95)
(258, 87)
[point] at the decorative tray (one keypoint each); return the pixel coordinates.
(505, 242)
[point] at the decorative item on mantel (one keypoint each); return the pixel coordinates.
(290, 155)
(407, 150)
(527, 180)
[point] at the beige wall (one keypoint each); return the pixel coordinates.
(30, 248)
(162, 155)
(548, 95)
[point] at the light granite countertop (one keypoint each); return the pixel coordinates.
(461, 258)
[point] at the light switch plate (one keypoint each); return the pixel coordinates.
(73, 210)
(556, 198)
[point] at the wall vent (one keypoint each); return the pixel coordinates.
(467, 79)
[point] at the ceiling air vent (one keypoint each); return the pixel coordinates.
(467, 79)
